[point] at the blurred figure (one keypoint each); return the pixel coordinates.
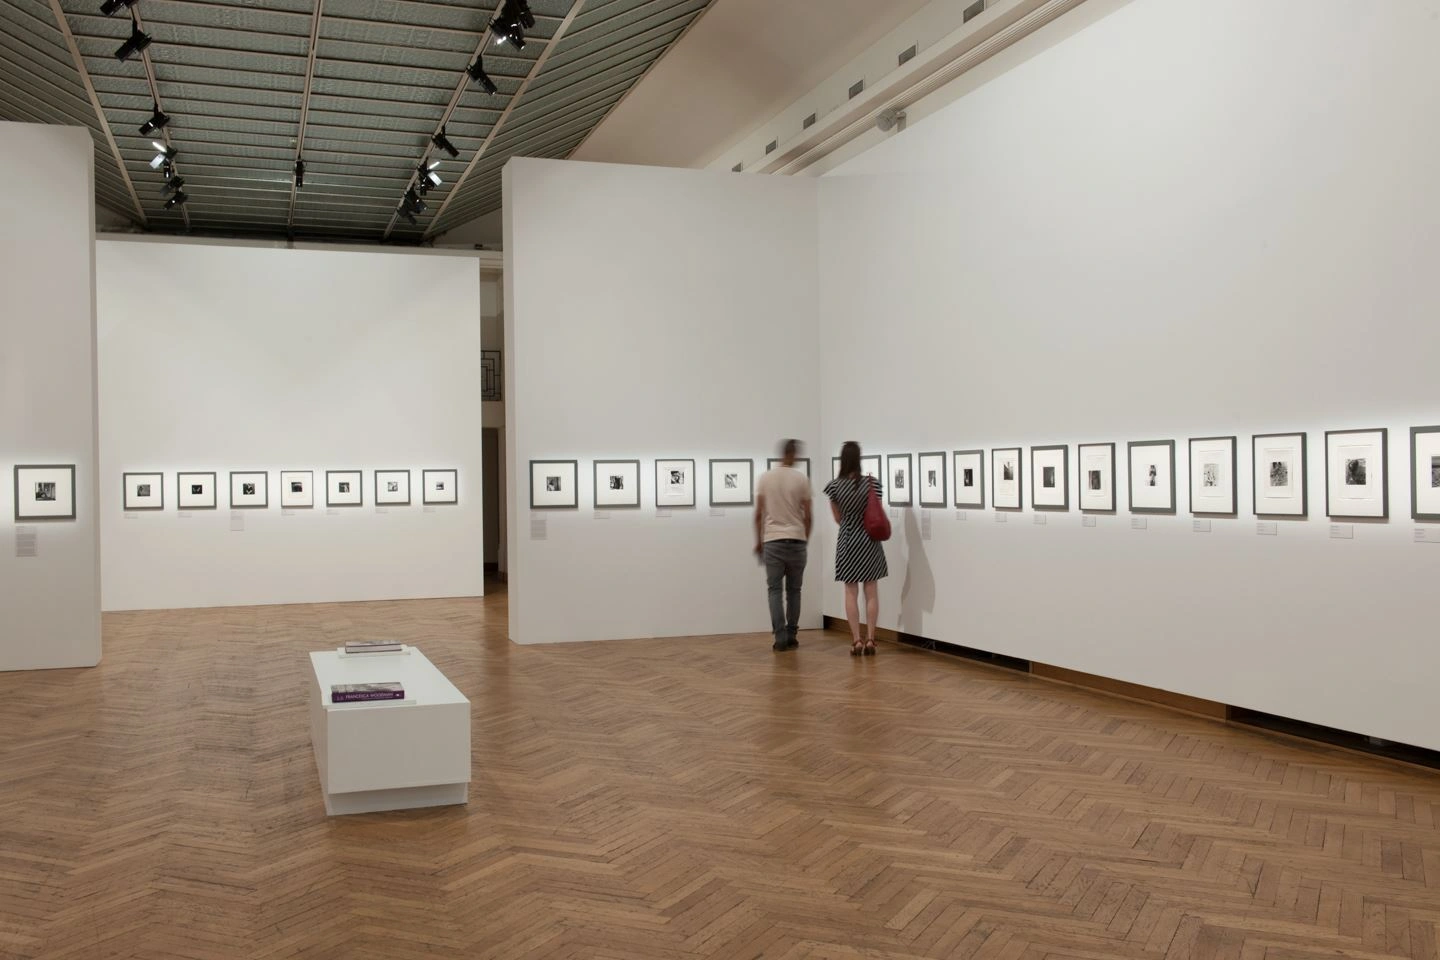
(783, 519)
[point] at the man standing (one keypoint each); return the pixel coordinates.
(782, 530)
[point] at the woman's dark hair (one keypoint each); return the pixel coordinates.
(850, 461)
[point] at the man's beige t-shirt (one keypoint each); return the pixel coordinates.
(785, 489)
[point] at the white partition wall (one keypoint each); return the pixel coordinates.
(220, 358)
(1188, 220)
(650, 313)
(50, 596)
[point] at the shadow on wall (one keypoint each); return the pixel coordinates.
(917, 593)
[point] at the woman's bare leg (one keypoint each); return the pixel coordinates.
(852, 610)
(872, 609)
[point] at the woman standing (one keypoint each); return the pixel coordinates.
(858, 559)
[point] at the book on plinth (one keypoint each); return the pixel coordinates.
(366, 692)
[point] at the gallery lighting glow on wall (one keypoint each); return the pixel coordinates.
(155, 124)
(443, 142)
(138, 41)
(478, 74)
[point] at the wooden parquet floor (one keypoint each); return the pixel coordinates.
(682, 799)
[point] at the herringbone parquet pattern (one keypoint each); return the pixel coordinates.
(682, 799)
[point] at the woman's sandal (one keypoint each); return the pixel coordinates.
(857, 648)
(869, 648)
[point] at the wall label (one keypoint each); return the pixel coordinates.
(1002, 517)
(538, 528)
(602, 514)
(27, 542)
(237, 521)
(1040, 520)
(961, 515)
(1267, 528)
(1342, 531)
(1087, 521)
(132, 516)
(1201, 526)
(185, 514)
(925, 524)
(1139, 523)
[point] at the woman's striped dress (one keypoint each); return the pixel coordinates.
(858, 559)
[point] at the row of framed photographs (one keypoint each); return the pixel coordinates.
(1356, 476)
(250, 489)
(554, 484)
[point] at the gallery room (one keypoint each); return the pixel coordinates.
(737, 479)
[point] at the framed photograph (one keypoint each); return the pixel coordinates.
(144, 491)
(45, 492)
(1279, 481)
(674, 483)
(249, 489)
(897, 471)
(1007, 484)
(732, 483)
(1152, 476)
(1213, 483)
(1425, 484)
(1096, 464)
(297, 488)
(1356, 486)
(970, 479)
(553, 484)
(439, 486)
(392, 488)
(1050, 477)
(801, 463)
(617, 484)
(834, 468)
(930, 471)
(195, 491)
(870, 467)
(344, 488)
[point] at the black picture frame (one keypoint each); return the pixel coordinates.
(1304, 475)
(574, 468)
(1064, 505)
(425, 486)
(1080, 477)
(182, 479)
(1384, 475)
(979, 473)
(920, 459)
(69, 469)
(1130, 477)
(125, 490)
(1415, 514)
(1234, 510)
(359, 476)
(595, 494)
(1019, 478)
(297, 506)
(263, 475)
(409, 496)
(774, 462)
(659, 465)
(749, 501)
(891, 461)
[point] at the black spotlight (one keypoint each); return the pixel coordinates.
(155, 124)
(138, 41)
(426, 177)
(111, 7)
(410, 217)
(299, 174)
(176, 201)
(172, 185)
(443, 142)
(413, 203)
(508, 27)
(520, 10)
(478, 74)
(163, 157)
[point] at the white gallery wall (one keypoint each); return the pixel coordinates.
(50, 597)
(1188, 220)
(234, 358)
(650, 313)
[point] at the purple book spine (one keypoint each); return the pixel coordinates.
(366, 695)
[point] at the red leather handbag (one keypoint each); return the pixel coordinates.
(877, 523)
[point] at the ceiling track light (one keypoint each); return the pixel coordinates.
(520, 10)
(155, 124)
(509, 26)
(412, 201)
(171, 186)
(111, 7)
(426, 178)
(299, 174)
(176, 201)
(443, 142)
(137, 43)
(410, 217)
(163, 158)
(478, 74)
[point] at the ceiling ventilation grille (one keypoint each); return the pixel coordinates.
(770, 147)
(737, 168)
(973, 11)
(858, 88)
(908, 54)
(808, 123)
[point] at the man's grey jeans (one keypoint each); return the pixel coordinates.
(785, 566)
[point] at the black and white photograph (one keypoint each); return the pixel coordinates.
(1008, 488)
(897, 471)
(1008, 470)
(554, 485)
(969, 469)
(196, 491)
(392, 488)
(250, 489)
(931, 467)
(1278, 475)
(732, 483)
(439, 486)
(1425, 479)
(45, 493)
(1213, 484)
(1211, 475)
(1050, 477)
(674, 483)
(930, 480)
(617, 484)
(143, 491)
(1152, 476)
(297, 488)
(1096, 463)
(344, 488)
(1356, 479)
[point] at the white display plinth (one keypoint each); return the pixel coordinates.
(389, 755)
